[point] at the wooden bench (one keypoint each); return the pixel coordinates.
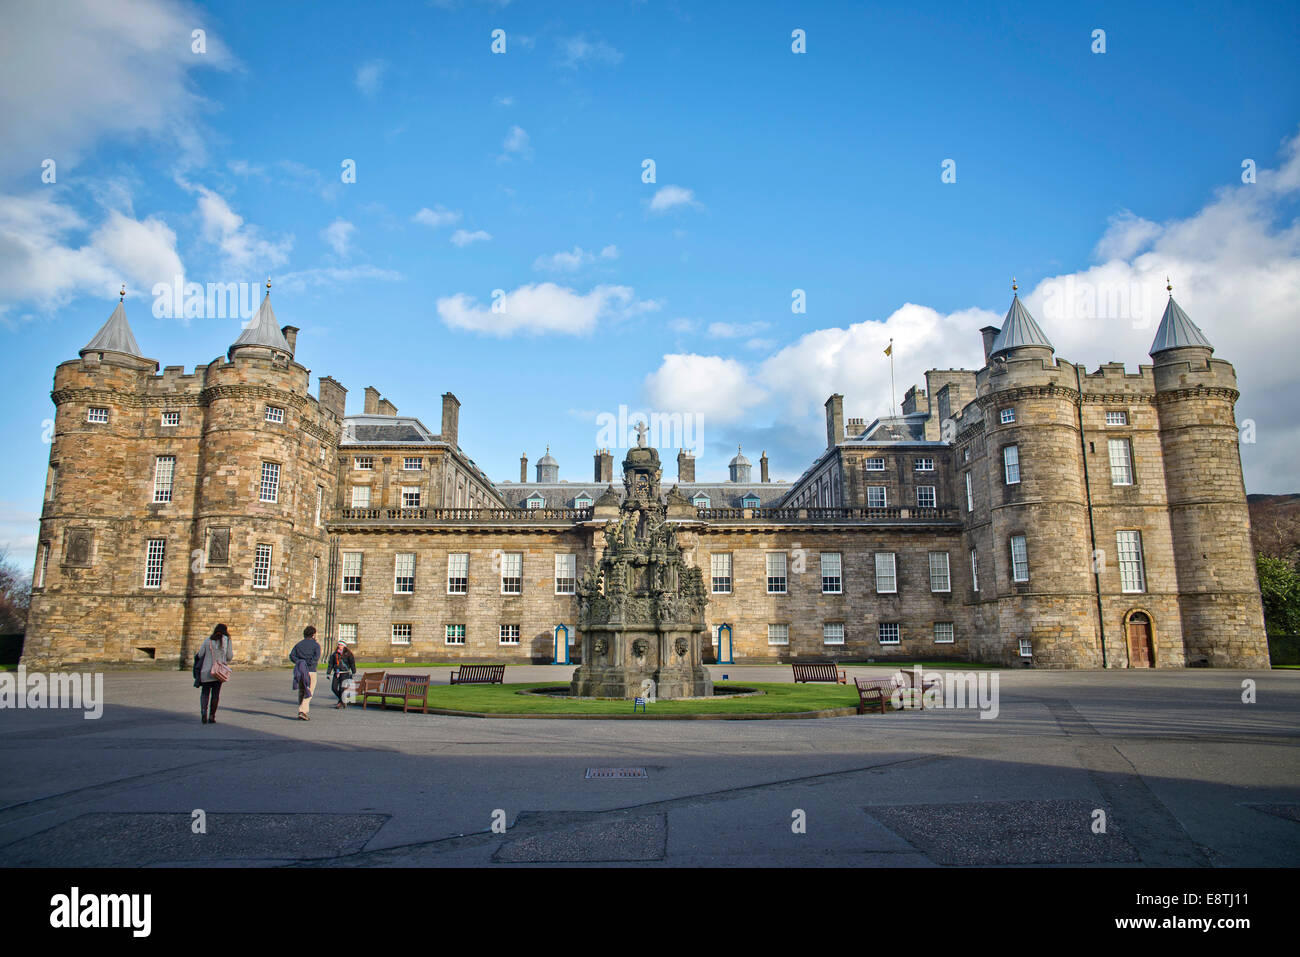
(412, 689)
(913, 690)
(479, 675)
(874, 690)
(366, 683)
(818, 671)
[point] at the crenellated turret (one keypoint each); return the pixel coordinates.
(1222, 616)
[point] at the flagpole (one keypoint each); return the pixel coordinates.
(892, 396)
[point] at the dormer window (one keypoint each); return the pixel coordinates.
(750, 501)
(582, 501)
(700, 501)
(536, 501)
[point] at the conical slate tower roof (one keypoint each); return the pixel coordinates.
(114, 336)
(1019, 329)
(264, 330)
(1177, 331)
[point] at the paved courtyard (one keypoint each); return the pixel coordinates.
(1185, 773)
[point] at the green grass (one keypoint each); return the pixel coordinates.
(502, 699)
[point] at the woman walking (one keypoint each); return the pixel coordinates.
(215, 650)
(342, 666)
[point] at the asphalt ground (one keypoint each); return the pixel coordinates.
(1116, 769)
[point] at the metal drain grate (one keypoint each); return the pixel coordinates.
(615, 773)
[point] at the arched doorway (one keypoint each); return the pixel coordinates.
(724, 650)
(1141, 647)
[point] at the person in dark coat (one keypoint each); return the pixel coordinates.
(214, 648)
(342, 666)
(306, 658)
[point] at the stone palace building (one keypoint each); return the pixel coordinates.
(1026, 512)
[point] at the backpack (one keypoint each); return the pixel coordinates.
(197, 683)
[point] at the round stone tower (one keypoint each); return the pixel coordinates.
(1037, 538)
(259, 544)
(87, 603)
(1218, 584)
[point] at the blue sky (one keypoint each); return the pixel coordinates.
(522, 172)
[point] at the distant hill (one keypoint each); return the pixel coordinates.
(1275, 524)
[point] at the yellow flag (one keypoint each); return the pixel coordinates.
(889, 350)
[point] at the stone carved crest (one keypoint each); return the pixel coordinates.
(79, 542)
(640, 647)
(681, 646)
(218, 546)
(599, 646)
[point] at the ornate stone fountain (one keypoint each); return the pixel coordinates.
(641, 607)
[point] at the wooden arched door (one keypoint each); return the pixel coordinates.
(1141, 653)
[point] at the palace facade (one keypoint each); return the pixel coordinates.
(1026, 512)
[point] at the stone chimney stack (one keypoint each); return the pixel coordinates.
(762, 468)
(604, 466)
(387, 408)
(290, 334)
(523, 467)
(989, 333)
(450, 419)
(685, 466)
(372, 401)
(332, 395)
(834, 420)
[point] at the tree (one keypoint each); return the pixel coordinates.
(1279, 585)
(15, 596)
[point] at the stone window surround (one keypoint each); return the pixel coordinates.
(401, 633)
(830, 638)
(888, 633)
(261, 472)
(457, 584)
(508, 635)
(838, 576)
(403, 584)
(262, 570)
(1012, 552)
(1002, 453)
(453, 638)
(893, 575)
(571, 582)
(951, 633)
(344, 576)
(776, 574)
(779, 637)
(515, 581)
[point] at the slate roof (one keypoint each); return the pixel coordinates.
(1177, 331)
(386, 430)
(263, 330)
(1018, 329)
(114, 336)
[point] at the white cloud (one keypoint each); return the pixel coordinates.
(542, 308)
(670, 197)
(681, 324)
(463, 237)
(339, 236)
(718, 389)
(306, 279)
(242, 246)
(370, 77)
(572, 261)
(49, 254)
(735, 330)
(578, 51)
(438, 216)
(515, 144)
(505, 101)
(81, 70)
